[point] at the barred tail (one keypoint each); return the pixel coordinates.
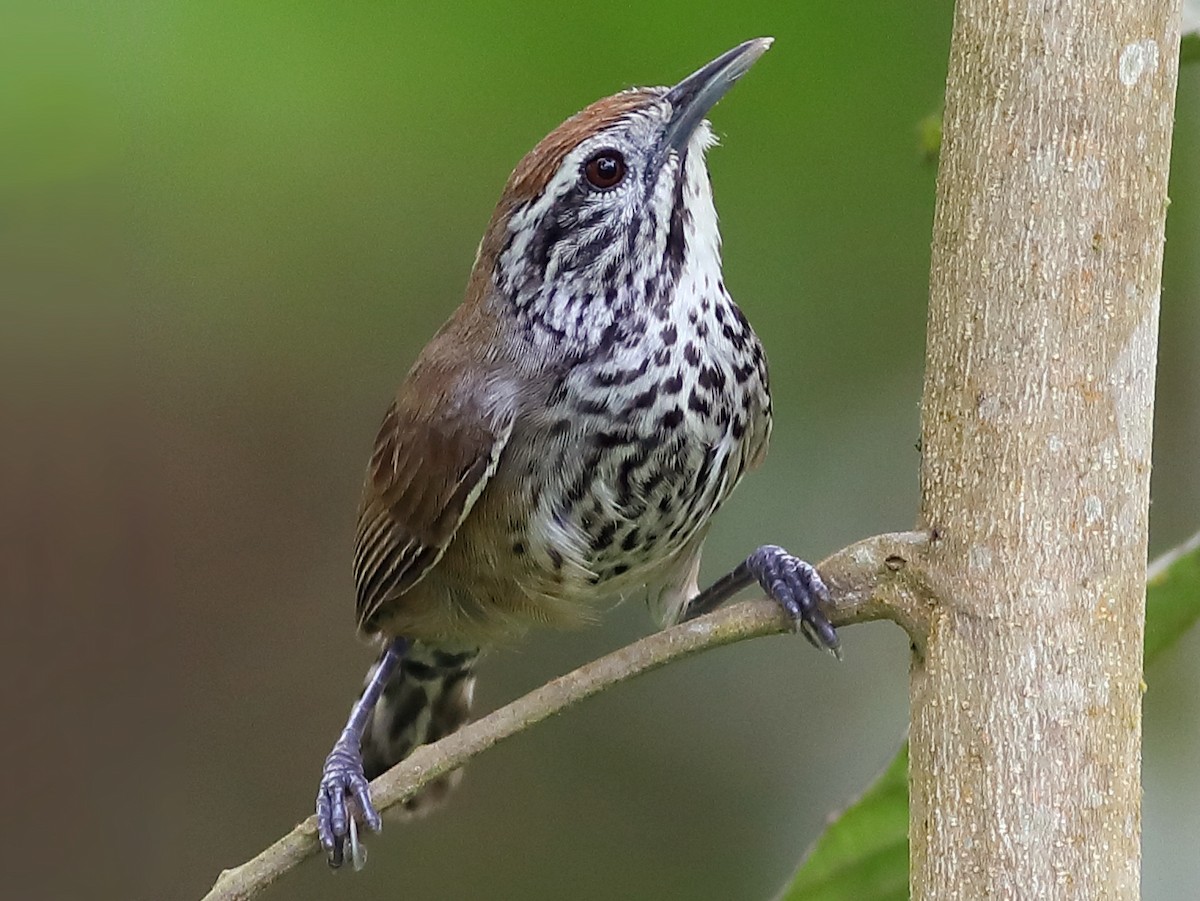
(428, 698)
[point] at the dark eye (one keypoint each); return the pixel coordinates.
(605, 169)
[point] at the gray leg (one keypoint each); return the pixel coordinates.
(343, 776)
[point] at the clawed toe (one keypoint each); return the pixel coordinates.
(344, 800)
(799, 589)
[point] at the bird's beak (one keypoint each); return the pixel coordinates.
(693, 97)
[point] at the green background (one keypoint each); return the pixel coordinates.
(227, 228)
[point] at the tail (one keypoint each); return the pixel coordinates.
(428, 698)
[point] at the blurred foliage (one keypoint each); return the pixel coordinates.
(1172, 597)
(1189, 48)
(226, 229)
(863, 854)
(929, 136)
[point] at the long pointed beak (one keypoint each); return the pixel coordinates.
(693, 97)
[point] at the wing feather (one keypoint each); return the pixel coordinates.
(429, 467)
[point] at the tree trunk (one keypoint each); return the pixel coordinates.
(1036, 433)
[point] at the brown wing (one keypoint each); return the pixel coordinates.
(428, 469)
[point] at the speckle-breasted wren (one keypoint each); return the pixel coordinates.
(568, 434)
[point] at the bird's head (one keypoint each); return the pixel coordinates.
(600, 220)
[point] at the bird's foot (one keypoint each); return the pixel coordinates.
(343, 800)
(798, 588)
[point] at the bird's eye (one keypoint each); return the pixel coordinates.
(605, 169)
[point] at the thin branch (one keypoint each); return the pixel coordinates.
(878, 578)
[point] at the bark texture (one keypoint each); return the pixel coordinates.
(1036, 434)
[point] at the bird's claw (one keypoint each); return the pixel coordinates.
(798, 588)
(343, 801)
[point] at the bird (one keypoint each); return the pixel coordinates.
(566, 437)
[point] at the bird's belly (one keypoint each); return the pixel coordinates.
(609, 479)
(618, 503)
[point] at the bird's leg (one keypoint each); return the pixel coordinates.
(789, 581)
(343, 776)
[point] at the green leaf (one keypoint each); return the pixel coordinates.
(1172, 596)
(863, 853)
(1189, 48)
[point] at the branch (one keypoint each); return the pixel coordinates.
(878, 578)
